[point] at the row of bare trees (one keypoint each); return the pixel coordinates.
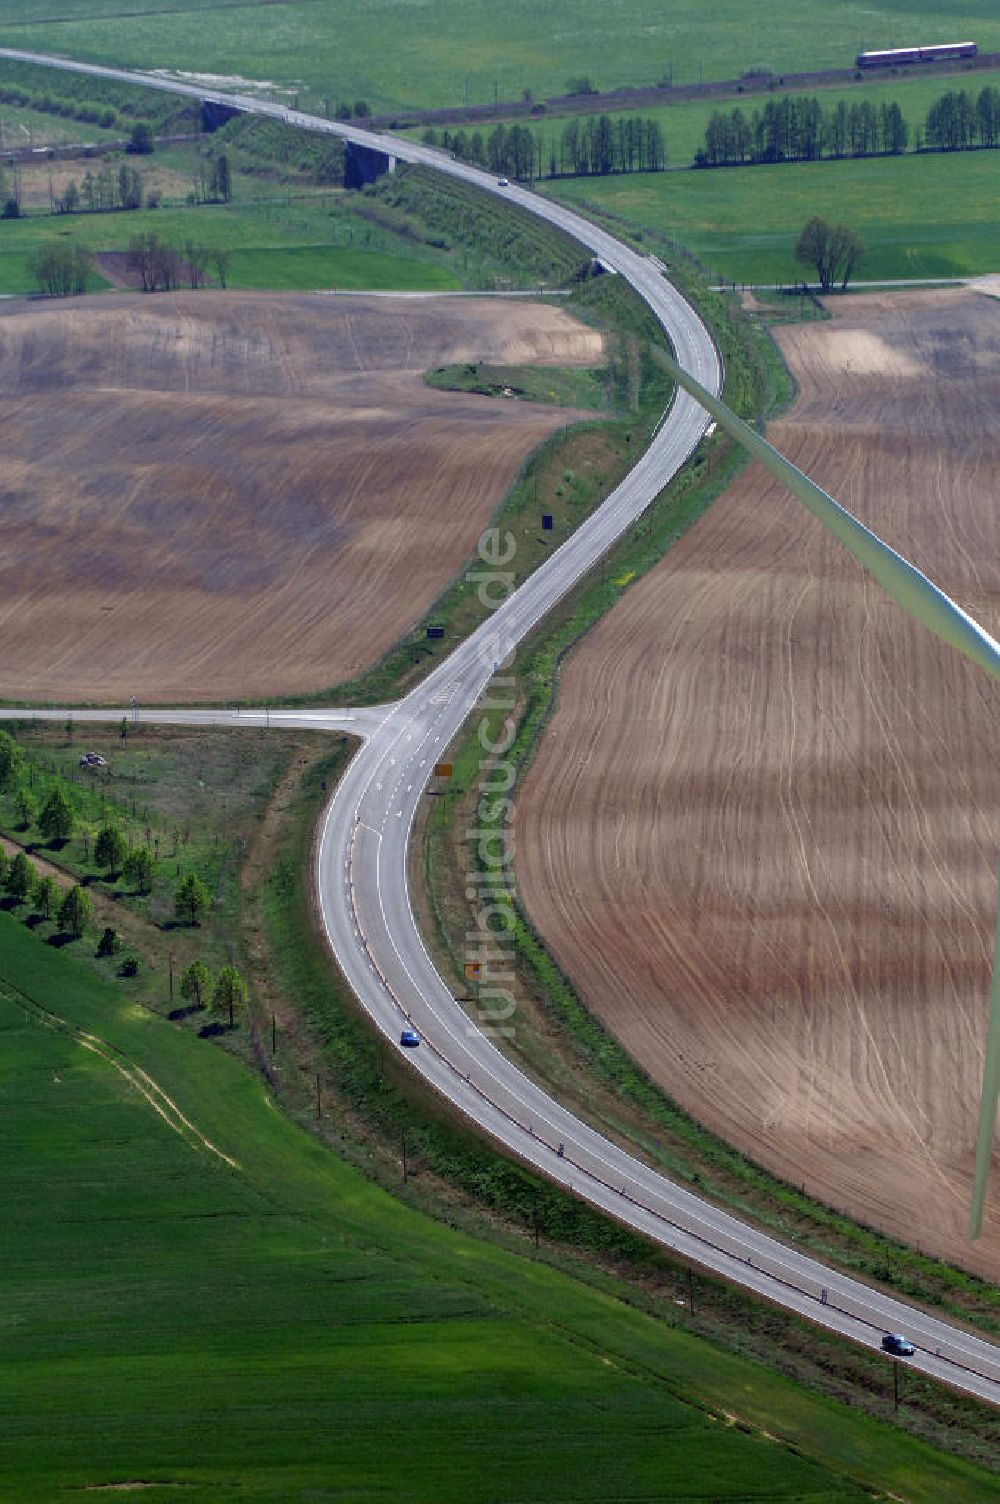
(161, 266)
(103, 191)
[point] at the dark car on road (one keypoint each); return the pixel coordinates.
(409, 1038)
(898, 1345)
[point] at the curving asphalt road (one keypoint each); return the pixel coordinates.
(362, 860)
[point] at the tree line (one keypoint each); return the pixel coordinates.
(124, 187)
(958, 121)
(72, 909)
(161, 266)
(103, 191)
(799, 129)
(595, 145)
(62, 270)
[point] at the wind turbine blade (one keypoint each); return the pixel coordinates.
(898, 577)
(990, 1097)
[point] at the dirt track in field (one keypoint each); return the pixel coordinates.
(205, 496)
(761, 831)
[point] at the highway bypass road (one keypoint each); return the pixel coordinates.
(362, 852)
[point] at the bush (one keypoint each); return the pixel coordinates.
(109, 943)
(140, 139)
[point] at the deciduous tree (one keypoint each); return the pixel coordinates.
(27, 805)
(110, 850)
(832, 250)
(11, 758)
(196, 984)
(141, 140)
(138, 868)
(20, 878)
(56, 819)
(190, 899)
(220, 258)
(109, 943)
(60, 269)
(46, 897)
(230, 993)
(74, 912)
(221, 181)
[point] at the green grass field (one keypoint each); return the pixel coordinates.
(299, 268)
(298, 245)
(404, 53)
(566, 386)
(283, 1330)
(927, 216)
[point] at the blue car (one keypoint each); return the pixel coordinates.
(898, 1345)
(409, 1038)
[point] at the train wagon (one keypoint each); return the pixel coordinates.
(896, 55)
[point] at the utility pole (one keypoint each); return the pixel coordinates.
(403, 1139)
(274, 1035)
(170, 964)
(690, 1289)
(319, 1100)
(895, 1385)
(534, 1218)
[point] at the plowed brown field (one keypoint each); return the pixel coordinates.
(204, 496)
(761, 832)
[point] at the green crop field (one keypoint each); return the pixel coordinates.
(437, 52)
(921, 216)
(280, 1329)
